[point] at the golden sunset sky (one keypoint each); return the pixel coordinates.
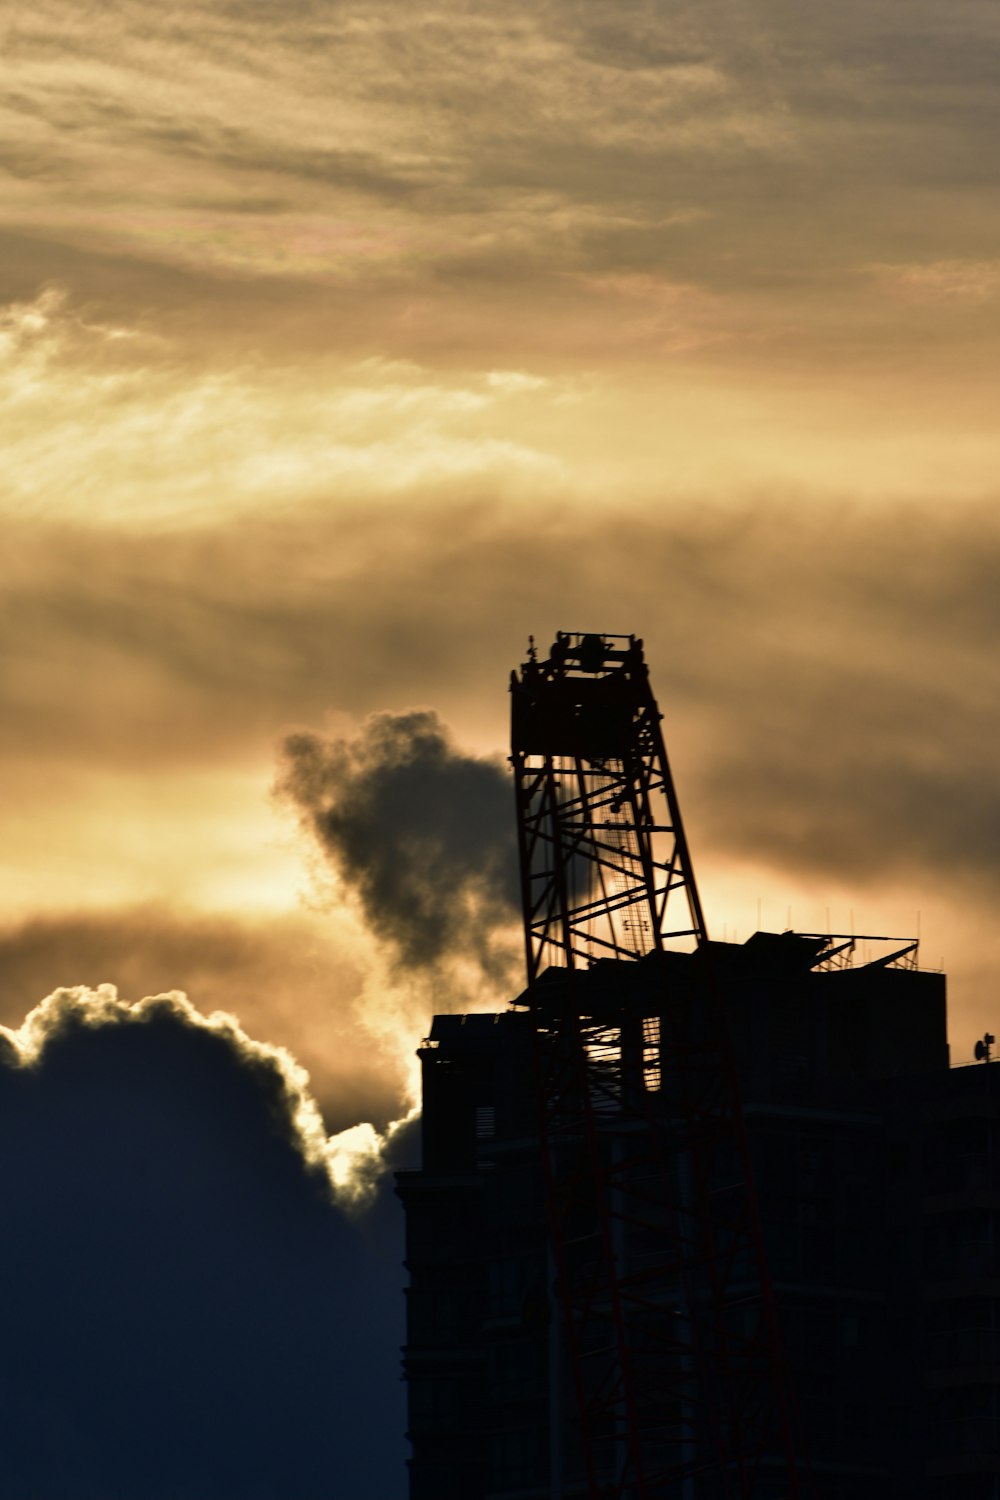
(343, 345)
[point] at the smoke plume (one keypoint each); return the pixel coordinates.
(421, 834)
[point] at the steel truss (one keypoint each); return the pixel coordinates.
(604, 863)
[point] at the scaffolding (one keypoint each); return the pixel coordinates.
(670, 1333)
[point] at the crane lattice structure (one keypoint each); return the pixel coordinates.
(604, 861)
(668, 1322)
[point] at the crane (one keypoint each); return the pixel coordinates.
(670, 1342)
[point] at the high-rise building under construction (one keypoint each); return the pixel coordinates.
(694, 1219)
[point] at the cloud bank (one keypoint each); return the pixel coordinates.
(428, 182)
(188, 1312)
(349, 1162)
(290, 977)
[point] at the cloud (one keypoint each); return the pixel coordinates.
(466, 180)
(826, 686)
(420, 833)
(349, 1162)
(295, 978)
(109, 426)
(203, 646)
(826, 663)
(948, 282)
(515, 381)
(826, 668)
(193, 1315)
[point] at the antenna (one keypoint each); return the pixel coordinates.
(982, 1053)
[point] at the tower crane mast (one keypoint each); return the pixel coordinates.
(605, 867)
(669, 1334)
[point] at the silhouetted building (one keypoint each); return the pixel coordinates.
(876, 1181)
(698, 1224)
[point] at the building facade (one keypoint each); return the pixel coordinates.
(868, 1237)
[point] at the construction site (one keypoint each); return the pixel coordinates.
(695, 1219)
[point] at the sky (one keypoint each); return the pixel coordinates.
(342, 347)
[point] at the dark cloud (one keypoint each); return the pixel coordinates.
(860, 776)
(283, 977)
(852, 740)
(192, 1317)
(421, 833)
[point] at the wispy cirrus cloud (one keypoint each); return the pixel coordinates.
(421, 183)
(951, 283)
(108, 424)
